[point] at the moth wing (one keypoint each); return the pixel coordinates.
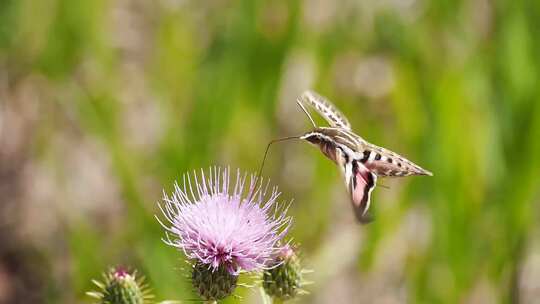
(361, 185)
(326, 109)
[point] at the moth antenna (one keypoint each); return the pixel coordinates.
(307, 113)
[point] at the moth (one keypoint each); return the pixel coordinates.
(360, 162)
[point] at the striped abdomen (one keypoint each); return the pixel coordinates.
(387, 163)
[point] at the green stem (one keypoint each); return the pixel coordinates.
(265, 298)
(269, 300)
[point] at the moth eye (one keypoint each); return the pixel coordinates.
(313, 139)
(378, 156)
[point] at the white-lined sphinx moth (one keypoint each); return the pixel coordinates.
(360, 161)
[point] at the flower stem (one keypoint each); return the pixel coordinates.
(265, 298)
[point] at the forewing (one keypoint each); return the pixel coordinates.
(362, 184)
(326, 109)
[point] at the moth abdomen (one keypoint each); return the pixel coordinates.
(389, 164)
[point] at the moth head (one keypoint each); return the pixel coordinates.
(328, 147)
(317, 136)
(312, 138)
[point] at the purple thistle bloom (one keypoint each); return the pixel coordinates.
(218, 227)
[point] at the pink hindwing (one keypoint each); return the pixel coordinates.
(362, 184)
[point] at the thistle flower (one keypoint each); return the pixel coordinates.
(284, 281)
(121, 287)
(223, 230)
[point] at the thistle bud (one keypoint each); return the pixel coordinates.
(213, 284)
(121, 287)
(284, 280)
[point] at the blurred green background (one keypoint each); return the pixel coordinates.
(103, 104)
